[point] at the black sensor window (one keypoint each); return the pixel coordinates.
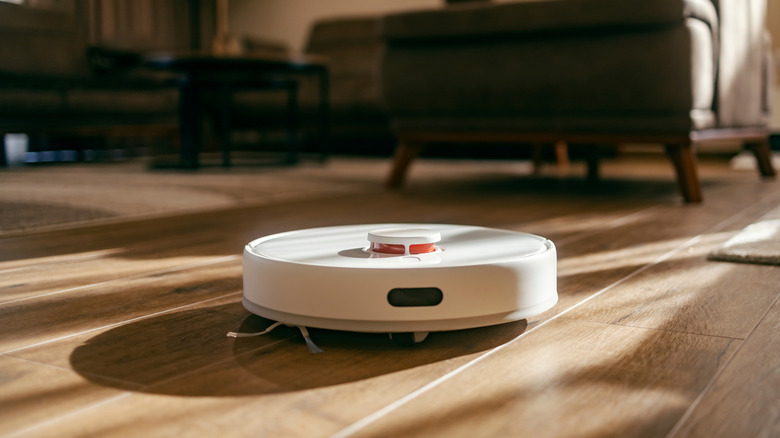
(415, 296)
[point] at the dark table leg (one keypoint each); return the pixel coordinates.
(324, 114)
(190, 118)
(224, 122)
(190, 122)
(292, 122)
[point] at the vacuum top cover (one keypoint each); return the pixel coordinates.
(397, 246)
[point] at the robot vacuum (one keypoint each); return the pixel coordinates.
(403, 279)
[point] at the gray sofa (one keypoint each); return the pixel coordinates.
(595, 72)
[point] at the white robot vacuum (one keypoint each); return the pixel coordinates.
(402, 279)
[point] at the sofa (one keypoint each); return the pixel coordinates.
(592, 73)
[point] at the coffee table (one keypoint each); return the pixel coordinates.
(200, 73)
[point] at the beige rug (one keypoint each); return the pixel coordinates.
(757, 243)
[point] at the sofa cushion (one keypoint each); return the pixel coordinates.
(119, 101)
(543, 15)
(652, 71)
(83, 94)
(42, 102)
(648, 74)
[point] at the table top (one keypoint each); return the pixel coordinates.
(189, 60)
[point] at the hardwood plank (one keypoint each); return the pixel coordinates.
(252, 384)
(592, 261)
(107, 363)
(173, 344)
(568, 378)
(104, 248)
(33, 393)
(105, 240)
(743, 399)
(642, 283)
(43, 319)
(122, 265)
(688, 293)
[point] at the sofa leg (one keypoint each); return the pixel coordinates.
(763, 157)
(562, 156)
(683, 158)
(561, 149)
(404, 154)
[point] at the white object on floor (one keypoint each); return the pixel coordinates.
(15, 146)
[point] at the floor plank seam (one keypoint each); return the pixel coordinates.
(655, 329)
(128, 250)
(758, 208)
(27, 430)
(68, 369)
(95, 255)
(692, 407)
(610, 226)
(117, 324)
(129, 277)
(213, 365)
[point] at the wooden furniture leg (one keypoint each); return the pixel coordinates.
(683, 159)
(763, 158)
(404, 154)
(562, 156)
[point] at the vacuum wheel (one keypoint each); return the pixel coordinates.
(408, 338)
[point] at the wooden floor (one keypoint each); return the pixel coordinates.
(119, 330)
